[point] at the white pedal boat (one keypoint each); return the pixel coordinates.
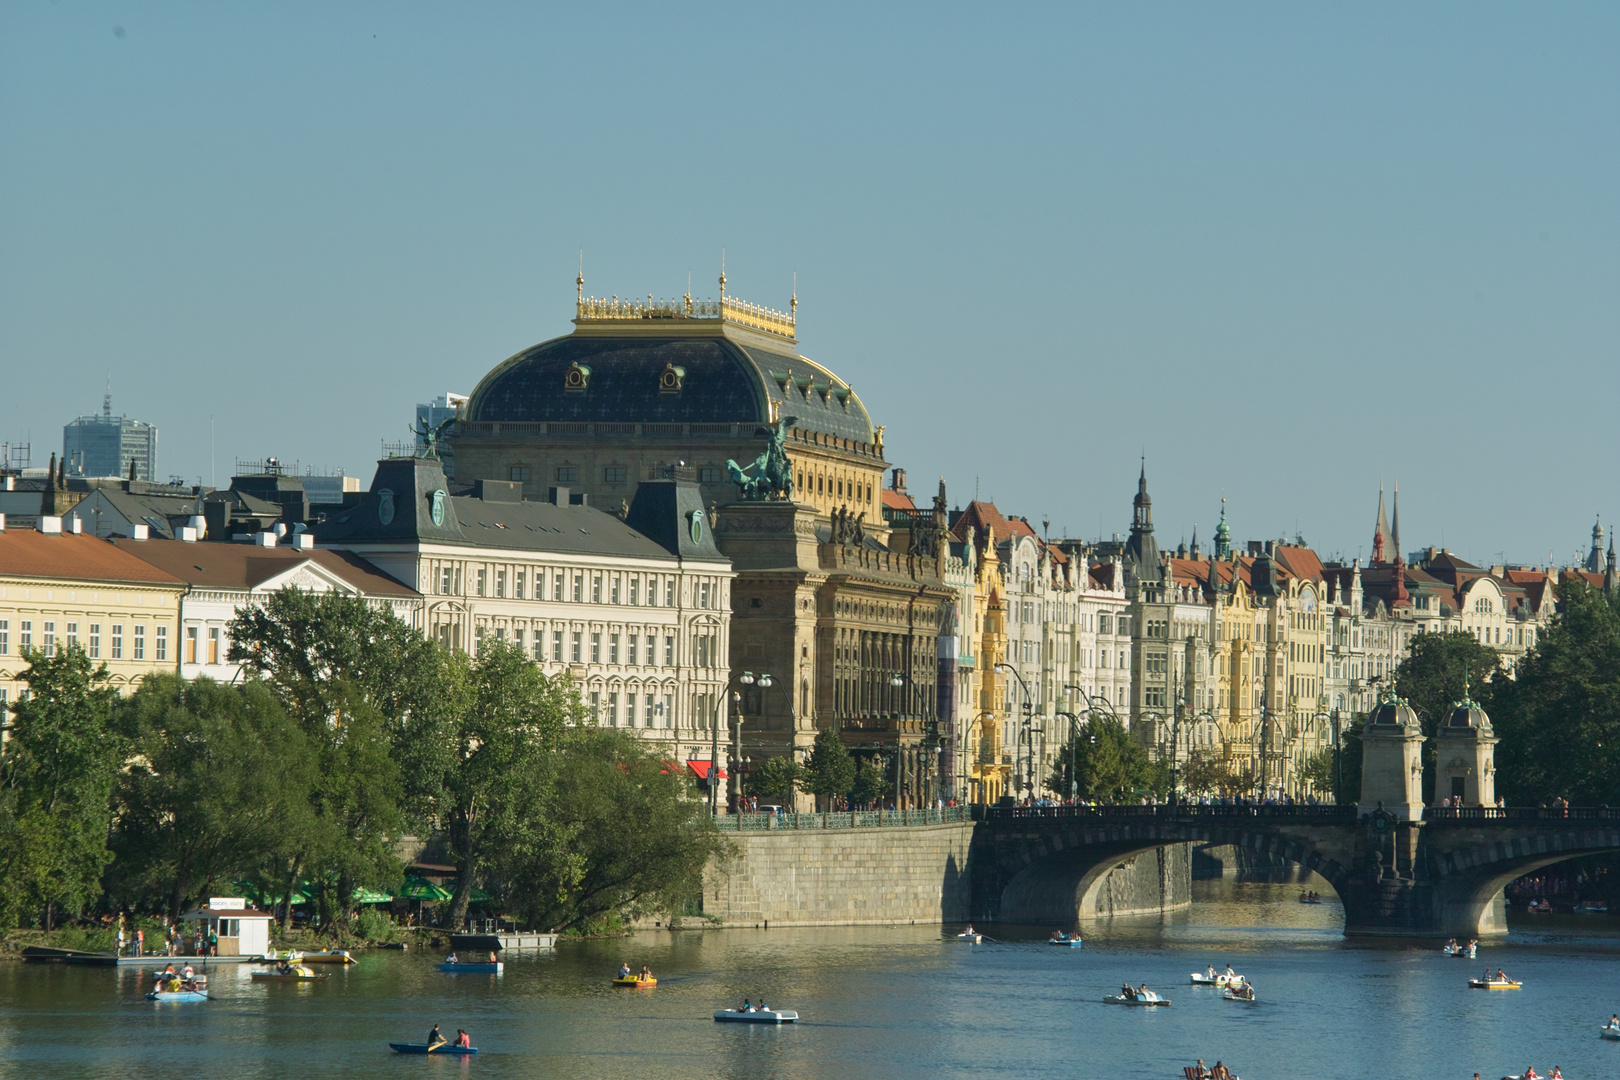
(1238, 993)
(1150, 998)
(1460, 951)
(1201, 979)
(1067, 941)
(756, 1016)
(1608, 1031)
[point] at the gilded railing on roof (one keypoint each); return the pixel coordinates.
(729, 309)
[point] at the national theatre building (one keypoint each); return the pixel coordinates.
(842, 610)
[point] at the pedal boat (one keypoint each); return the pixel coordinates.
(1461, 952)
(422, 1048)
(1494, 984)
(756, 1016)
(1239, 993)
(334, 956)
(1150, 999)
(1067, 941)
(1609, 1031)
(298, 974)
(636, 982)
(177, 995)
(464, 968)
(1200, 979)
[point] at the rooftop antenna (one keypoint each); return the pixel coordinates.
(213, 474)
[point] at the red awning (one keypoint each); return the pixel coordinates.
(700, 768)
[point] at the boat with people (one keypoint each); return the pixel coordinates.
(1495, 983)
(1611, 1030)
(330, 956)
(286, 972)
(1214, 978)
(1198, 1072)
(1465, 952)
(1239, 992)
(424, 1048)
(457, 966)
(1068, 941)
(1138, 996)
(1310, 897)
(970, 935)
(178, 995)
(1592, 907)
(755, 1014)
(184, 985)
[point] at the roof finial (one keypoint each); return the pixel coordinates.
(579, 282)
(793, 304)
(722, 273)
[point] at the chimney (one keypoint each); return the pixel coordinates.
(559, 496)
(141, 532)
(199, 523)
(898, 483)
(11, 483)
(2, 523)
(50, 526)
(304, 542)
(264, 539)
(76, 525)
(188, 535)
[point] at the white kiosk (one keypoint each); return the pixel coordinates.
(242, 931)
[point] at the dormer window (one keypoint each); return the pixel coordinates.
(671, 380)
(577, 378)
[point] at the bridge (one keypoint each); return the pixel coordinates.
(1439, 874)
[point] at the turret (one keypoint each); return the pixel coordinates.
(1392, 760)
(1465, 759)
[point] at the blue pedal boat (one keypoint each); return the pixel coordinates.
(422, 1048)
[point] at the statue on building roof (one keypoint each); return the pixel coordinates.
(772, 473)
(428, 437)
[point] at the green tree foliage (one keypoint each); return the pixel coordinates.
(1437, 673)
(57, 772)
(778, 778)
(830, 771)
(624, 838)
(1109, 765)
(872, 783)
(492, 748)
(1559, 717)
(217, 787)
(1201, 774)
(1320, 771)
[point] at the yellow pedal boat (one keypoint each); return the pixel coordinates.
(638, 983)
(297, 975)
(335, 956)
(1494, 984)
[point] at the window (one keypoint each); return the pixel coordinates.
(482, 574)
(478, 641)
(613, 474)
(162, 649)
(613, 708)
(614, 590)
(556, 587)
(629, 710)
(613, 648)
(5, 637)
(73, 635)
(596, 647)
(556, 645)
(518, 473)
(191, 645)
(579, 587)
(500, 584)
(630, 655)
(95, 640)
(576, 643)
(447, 580)
(118, 641)
(213, 644)
(140, 643)
(596, 705)
(50, 639)
(635, 591)
(517, 585)
(711, 476)
(596, 588)
(669, 592)
(703, 595)
(567, 474)
(669, 650)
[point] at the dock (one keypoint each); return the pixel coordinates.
(39, 954)
(503, 940)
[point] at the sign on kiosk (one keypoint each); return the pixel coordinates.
(227, 903)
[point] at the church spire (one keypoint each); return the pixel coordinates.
(1395, 526)
(1380, 530)
(1223, 534)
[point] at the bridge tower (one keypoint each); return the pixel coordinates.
(1466, 757)
(1392, 760)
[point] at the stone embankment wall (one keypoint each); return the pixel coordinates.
(911, 874)
(842, 877)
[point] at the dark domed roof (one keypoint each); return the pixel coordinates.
(712, 376)
(1468, 714)
(1394, 711)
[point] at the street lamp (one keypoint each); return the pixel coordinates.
(1074, 781)
(747, 678)
(1029, 712)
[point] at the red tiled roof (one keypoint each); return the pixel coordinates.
(243, 566)
(74, 557)
(1302, 562)
(898, 500)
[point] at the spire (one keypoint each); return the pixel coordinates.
(1595, 559)
(1380, 530)
(1395, 523)
(1195, 540)
(1223, 534)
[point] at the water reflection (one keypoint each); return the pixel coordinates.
(878, 1002)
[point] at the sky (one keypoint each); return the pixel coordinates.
(1283, 251)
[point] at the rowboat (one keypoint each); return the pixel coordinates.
(334, 956)
(1150, 998)
(756, 1016)
(471, 969)
(970, 937)
(422, 1048)
(177, 995)
(1494, 984)
(636, 982)
(1201, 979)
(1068, 941)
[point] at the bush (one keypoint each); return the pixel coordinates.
(376, 925)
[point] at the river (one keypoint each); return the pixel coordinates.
(877, 1002)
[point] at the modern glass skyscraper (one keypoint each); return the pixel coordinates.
(105, 445)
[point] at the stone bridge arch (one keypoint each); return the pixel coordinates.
(1045, 865)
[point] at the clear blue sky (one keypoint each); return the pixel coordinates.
(1286, 249)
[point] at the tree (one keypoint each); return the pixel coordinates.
(57, 772)
(779, 777)
(623, 838)
(1559, 717)
(217, 787)
(1108, 764)
(830, 770)
(1202, 775)
(872, 782)
(1321, 770)
(1438, 672)
(494, 764)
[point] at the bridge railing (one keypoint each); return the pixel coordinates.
(1179, 812)
(1466, 815)
(859, 819)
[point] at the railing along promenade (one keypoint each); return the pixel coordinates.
(1433, 815)
(858, 819)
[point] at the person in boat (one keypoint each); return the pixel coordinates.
(1530, 1074)
(1220, 1072)
(1126, 992)
(168, 969)
(1556, 1074)
(451, 959)
(188, 971)
(624, 970)
(435, 1039)
(1614, 1021)
(1212, 971)
(1500, 977)
(1142, 993)
(463, 1040)
(1229, 971)
(745, 1006)
(646, 973)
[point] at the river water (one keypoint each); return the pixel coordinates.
(877, 1002)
